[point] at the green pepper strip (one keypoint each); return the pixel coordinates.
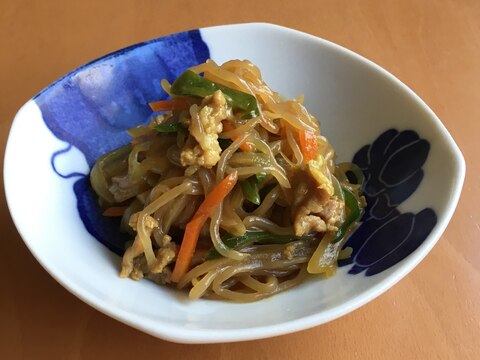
(352, 203)
(261, 177)
(191, 84)
(169, 128)
(250, 237)
(250, 190)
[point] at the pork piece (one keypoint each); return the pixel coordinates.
(128, 261)
(314, 210)
(165, 254)
(202, 147)
(134, 263)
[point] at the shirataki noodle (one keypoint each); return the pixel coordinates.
(231, 191)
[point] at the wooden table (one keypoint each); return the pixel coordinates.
(433, 46)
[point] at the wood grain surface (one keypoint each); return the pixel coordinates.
(432, 46)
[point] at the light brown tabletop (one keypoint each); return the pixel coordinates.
(433, 46)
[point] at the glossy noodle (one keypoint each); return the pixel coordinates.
(231, 192)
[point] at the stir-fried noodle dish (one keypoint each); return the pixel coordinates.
(230, 192)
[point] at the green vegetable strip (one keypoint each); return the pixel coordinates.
(191, 84)
(261, 177)
(351, 202)
(250, 190)
(250, 237)
(169, 128)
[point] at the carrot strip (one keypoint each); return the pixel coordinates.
(115, 211)
(308, 145)
(193, 228)
(246, 146)
(177, 103)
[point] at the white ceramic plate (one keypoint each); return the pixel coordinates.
(414, 168)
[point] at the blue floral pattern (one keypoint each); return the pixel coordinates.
(392, 166)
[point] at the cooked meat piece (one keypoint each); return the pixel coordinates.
(316, 215)
(161, 278)
(305, 224)
(313, 208)
(165, 255)
(139, 268)
(289, 251)
(128, 261)
(202, 147)
(332, 212)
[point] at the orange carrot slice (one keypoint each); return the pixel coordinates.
(177, 103)
(308, 145)
(247, 147)
(115, 211)
(193, 228)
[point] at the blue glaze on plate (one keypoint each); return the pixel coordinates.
(59, 153)
(92, 107)
(392, 166)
